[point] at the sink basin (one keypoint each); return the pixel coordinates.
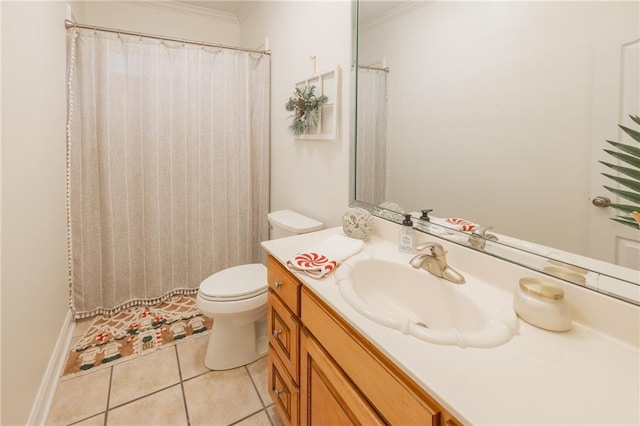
(419, 304)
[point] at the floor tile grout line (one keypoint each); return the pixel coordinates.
(184, 397)
(143, 396)
(86, 418)
(197, 375)
(106, 409)
(255, 387)
(249, 416)
(264, 406)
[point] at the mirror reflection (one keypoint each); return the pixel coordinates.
(496, 114)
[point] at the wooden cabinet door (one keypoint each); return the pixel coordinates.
(327, 396)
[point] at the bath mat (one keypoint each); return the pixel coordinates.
(138, 330)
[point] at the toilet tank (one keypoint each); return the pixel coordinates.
(286, 223)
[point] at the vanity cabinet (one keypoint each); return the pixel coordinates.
(323, 372)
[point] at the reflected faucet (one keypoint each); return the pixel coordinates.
(435, 262)
(479, 236)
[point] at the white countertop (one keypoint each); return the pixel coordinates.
(583, 376)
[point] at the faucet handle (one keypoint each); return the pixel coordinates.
(481, 231)
(435, 248)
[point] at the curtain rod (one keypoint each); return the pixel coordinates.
(70, 24)
(367, 67)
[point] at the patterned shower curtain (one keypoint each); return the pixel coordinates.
(168, 156)
(372, 145)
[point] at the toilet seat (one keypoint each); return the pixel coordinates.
(236, 283)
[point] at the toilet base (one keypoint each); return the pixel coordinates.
(233, 345)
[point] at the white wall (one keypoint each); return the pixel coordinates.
(34, 245)
(170, 20)
(492, 117)
(310, 177)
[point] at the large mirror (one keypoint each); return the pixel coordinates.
(497, 114)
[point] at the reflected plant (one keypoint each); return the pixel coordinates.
(629, 155)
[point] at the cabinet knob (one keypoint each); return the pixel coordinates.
(277, 392)
(278, 284)
(276, 333)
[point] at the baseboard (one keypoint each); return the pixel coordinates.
(44, 398)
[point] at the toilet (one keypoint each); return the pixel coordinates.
(236, 299)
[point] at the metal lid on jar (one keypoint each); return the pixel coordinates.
(541, 288)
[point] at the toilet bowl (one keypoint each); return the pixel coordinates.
(236, 299)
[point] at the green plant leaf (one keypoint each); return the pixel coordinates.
(629, 183)
(626, 148)
(624, 170)
(631, 196)
(631, 156)
(627, 208)
(625, 221)
(633, 133)
(629, 159)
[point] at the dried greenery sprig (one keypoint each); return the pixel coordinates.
(305, 108)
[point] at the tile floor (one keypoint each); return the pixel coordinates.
(168, 387)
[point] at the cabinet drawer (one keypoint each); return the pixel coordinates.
(284, 393)
(284, 284)
(284, 334)
(398, 400)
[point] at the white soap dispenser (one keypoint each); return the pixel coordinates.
(407, 237)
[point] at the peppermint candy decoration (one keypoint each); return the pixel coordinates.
(310, 260)
(464, 225)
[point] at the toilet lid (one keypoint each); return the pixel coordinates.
(238, 282)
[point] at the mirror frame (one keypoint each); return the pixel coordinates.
(521, 257)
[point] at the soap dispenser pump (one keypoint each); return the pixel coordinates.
(407, 236)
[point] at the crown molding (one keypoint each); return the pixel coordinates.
(247, 9)
(192, 9)
(403, 8)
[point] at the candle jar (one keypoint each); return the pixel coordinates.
(542, 304)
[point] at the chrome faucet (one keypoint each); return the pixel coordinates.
(434, 262)
(479, 237)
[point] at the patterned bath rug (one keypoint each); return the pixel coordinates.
(135, 331)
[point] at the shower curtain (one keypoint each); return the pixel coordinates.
(168, 156)
(372, 143)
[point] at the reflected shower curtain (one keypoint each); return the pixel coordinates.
(168, 156)
(372, 146)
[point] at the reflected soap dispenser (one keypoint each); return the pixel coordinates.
(424, 221)
(407, 238)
